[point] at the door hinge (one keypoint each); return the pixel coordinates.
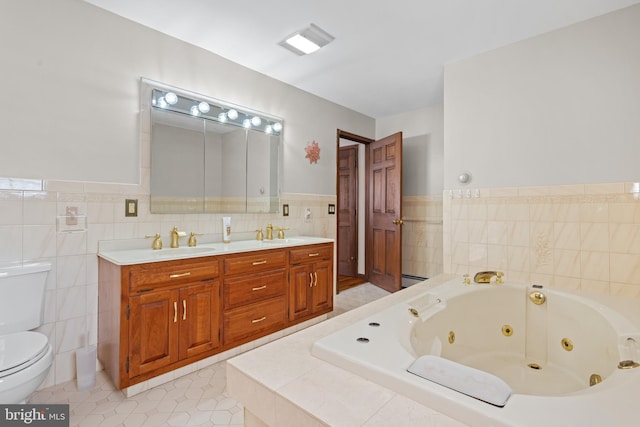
(128, 312)
(127, 364)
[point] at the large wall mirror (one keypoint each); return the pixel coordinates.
(210, 156)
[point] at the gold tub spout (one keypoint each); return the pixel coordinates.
(594, 379)
(485, 276)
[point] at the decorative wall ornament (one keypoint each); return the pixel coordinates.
(313, 152)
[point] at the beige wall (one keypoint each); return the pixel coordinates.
(560, 108)
(546, 127)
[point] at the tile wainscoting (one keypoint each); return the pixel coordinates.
(29, 230)
(577, 237)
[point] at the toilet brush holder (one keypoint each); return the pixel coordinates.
(86, 368)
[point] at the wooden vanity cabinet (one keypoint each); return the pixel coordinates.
(311, 281)
(156, 317)
(254, 295)
(170, 316)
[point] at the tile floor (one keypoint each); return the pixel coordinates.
(197, 399)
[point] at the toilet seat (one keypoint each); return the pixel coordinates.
(20, 350)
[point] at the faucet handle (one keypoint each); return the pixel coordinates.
(499, 276)
(281, 232)
(157, 241)
(192, 239)
(259, 235)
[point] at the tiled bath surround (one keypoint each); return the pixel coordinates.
(422, 235)
(29, 231)
(577, 237)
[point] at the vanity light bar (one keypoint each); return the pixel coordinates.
(168, 100)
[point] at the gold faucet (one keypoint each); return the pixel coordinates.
(157, 241)
(485, 276)
(192, 239)
(269, 232)
(175, 235)
(281, 232)
(259, 235)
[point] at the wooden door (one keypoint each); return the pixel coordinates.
(384, 235)
(321, 295)
(347, 211)
(153, 331)
(199, 318)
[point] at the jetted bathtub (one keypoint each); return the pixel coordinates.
(566, 359)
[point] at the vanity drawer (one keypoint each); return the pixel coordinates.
(310, 253)
(246, 289)
(253, 319)
(257, 261)
(172, 273)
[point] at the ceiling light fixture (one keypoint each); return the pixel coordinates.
(307, 41)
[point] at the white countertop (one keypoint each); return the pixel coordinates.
(138, 251)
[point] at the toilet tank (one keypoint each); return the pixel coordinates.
(22, 296)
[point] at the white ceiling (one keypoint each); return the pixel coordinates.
(387, 56)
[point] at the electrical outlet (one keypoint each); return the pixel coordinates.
(307, 214)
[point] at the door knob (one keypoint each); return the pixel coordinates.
(398, 221)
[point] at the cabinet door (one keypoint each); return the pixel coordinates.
(153, 331)
(199, 308)
(322, 290)
(300, 281)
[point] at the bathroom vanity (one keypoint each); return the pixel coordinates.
(162, 310)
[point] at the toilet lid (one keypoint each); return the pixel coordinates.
(19, 350)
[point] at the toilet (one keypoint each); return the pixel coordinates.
(25, 356)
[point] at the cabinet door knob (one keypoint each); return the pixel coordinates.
(184, 309)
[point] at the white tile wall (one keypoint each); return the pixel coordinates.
(29, 231)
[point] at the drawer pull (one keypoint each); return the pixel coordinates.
(259, 288)
(175, 311)
(184, 309)
(315, 254)
(259, 320)
(175, 276)
(259, 262)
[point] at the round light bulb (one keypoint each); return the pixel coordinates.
(203, 107)
(222, 117)
(162, 103)
(268, 129)
(195, 111)
(171, 98)
(277, 127)
(256, 121)
(246, 123)
(232, 114)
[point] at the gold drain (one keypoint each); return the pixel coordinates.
(507, 330)
(452, 337)
(567, 344)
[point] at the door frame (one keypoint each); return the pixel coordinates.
(341, 134)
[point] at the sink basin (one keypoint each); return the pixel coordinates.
(172, 252)
(283, 241)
